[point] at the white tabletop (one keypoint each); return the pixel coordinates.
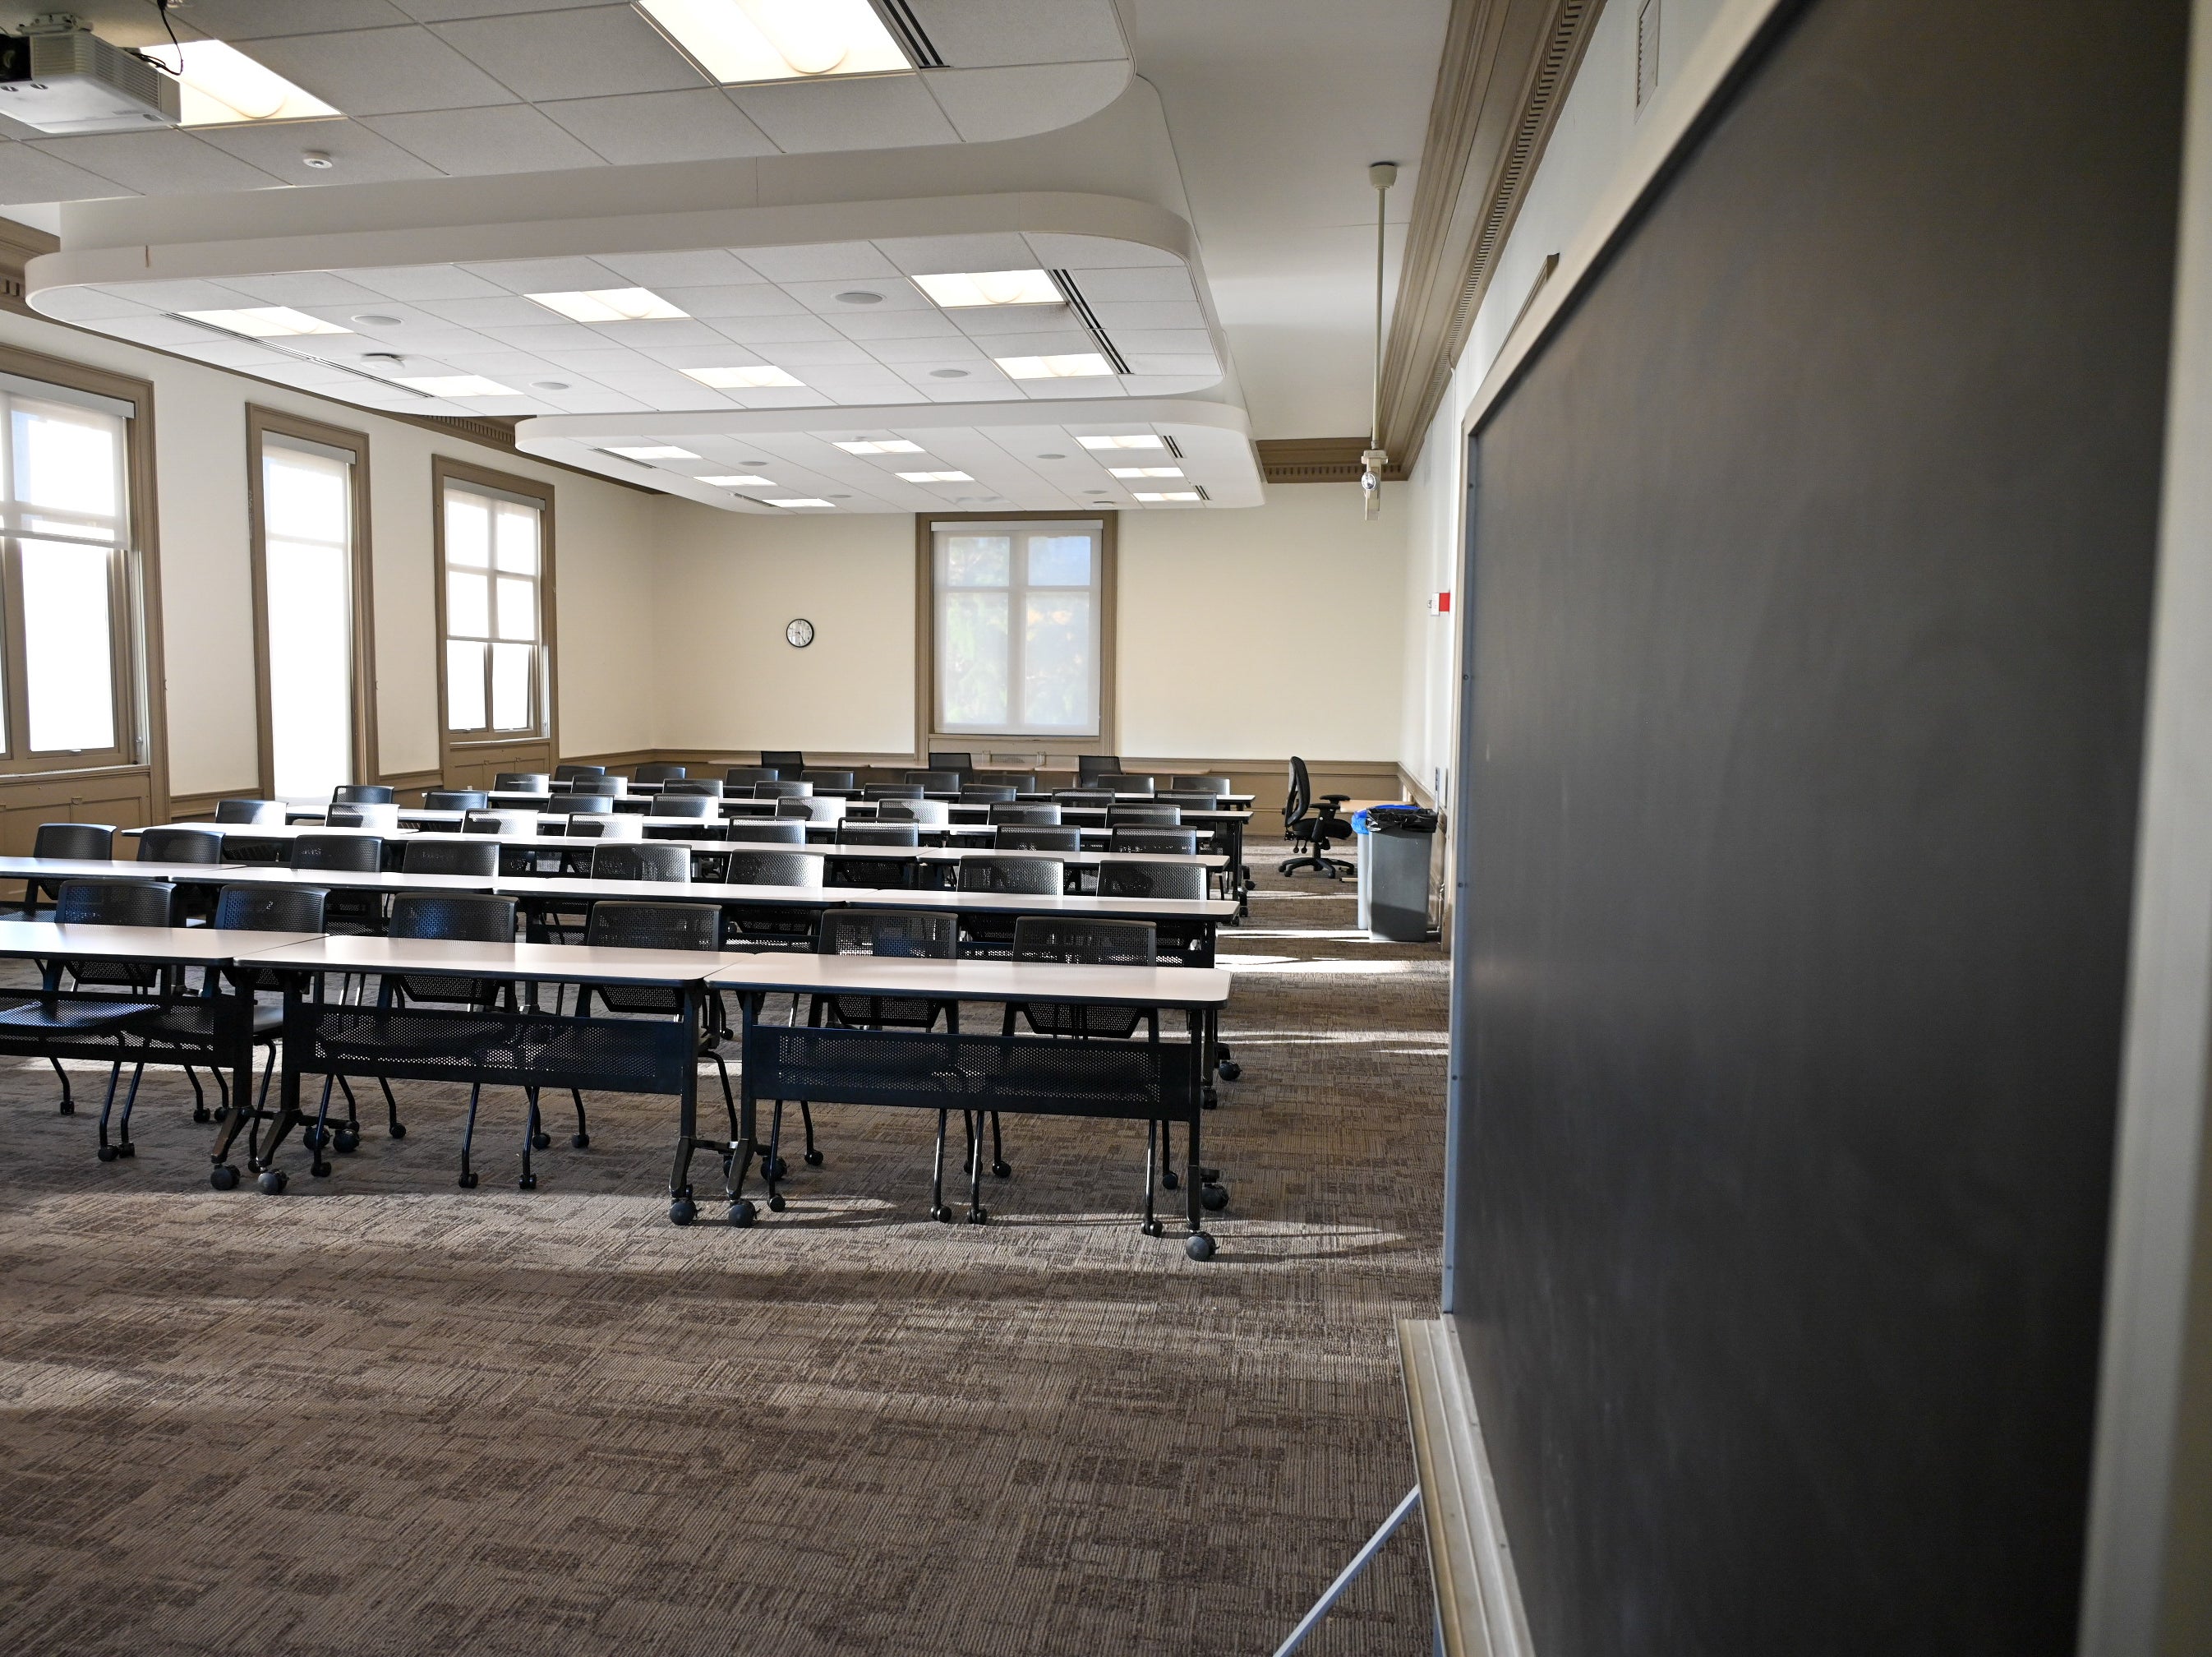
(958, 980)
(197, 945)
(584, 888)
(552, 962)
(107, 868)
(351, 879)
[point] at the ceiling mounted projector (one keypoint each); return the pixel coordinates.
(70, 81)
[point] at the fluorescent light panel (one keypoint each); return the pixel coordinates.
(937, 478)
(266, 322)
(744, 481)
(1139, 439)
(886, 446)
(956, 290)
(1178, 495)
(737, 41)
(609, 305)
(651, 452)
(457, 385)
(1145, 472)
(762, 378)
(799, 501)
(1074, 365)
(220, 86)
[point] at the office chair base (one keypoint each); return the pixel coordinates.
(1335, 867)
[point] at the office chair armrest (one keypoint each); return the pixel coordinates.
(1335, 799)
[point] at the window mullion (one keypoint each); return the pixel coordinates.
(17, 688)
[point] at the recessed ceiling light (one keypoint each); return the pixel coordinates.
(1145, 472)
(1052, 457)
(1178, 495)
(948, 373)
(1142, 439)
(760, 379)
(735, 41)
(796, 502)
(319, 160)
(740, 480)
(1072, 365)
(960, 289)
(266, 321)
(549, 385)
(883, 446)
(377, 320)
(937, 476)
(652, 451)
(859, 296)
(459, 385)
(609, 305)
(220, 86)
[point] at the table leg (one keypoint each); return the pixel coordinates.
(1198, 1245)
(240, 1061)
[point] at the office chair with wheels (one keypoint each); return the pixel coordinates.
(1025, 837)
(94, 841)
(360, 794)
(703, 807)
(778, 832)
(987, 793)
(685, 786)
(935, 781)
(571, 773)
(354, 854)
(775, 927)
(94, 903)
(739, 779)
(946, 761)
(1148, 838)
(659, 774)
(249, 811)
(1090, 765)
(1312, 823)
(455, 800)
(1033, 814)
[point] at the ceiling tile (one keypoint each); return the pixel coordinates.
(382, 71)
(252, 20)
(357, 154)
(882, 111)
(723, 354)
(424, 282)
(1061, 343)
(157, 163)
(930, 255)
(696, 126)
(29, 174)
(972, 373)
(1187, 342)
(764, 330)
(1045, 391)
(446, 12)
(580, 53)
(986, 105)
(592, 362)
(304, 288)
(895, 294)
(638, 335)
(747, 299)
(1118, 313)
(188, 296)
(544, 275)
(835, 261)
(1020, 31)
(1167, 363)
(1059, 252)
(514, 138)
(995, 323)
(506, 311)
(876, 323)
(559, 337)
(708, 267)
(855, 384)
(938, 353)
(90, 305)
(972, 391)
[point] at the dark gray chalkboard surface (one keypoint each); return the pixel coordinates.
(1811, 577)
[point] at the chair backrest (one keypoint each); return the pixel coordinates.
(116, 902)
(1202, 784)
(605, 825)
(1088, 765)
(743, 777)
(1152, 880)
(1036, 813)
(623, 924)
(1085, 940)
(521, 781)
(1145, 816)
(912, 934)
(478, 857)
(851, 833)
(1188, 800)
(1020, 781)
(659, 773)
(360, 794)
(711, 787)
(893, 791)
(952, 760)
(784, 762)
(935, 813)
(73, 840)
(641, 860)
(370, 815)
(179, 845)
(500, 822)
(780, 832)
(611, 787)
(588, 805)
(1299, 800)
(766, 868)
(455, 800)
(828, 779)
(356, 854)
(270, 908)
(249, 811)
(570, 773)
(700, 806)
(1084, 796)
(1124, 838)
(780, 790)
(989, 872)
(935, 781)
(1024, 836)
(470, 917)
(1124, 782)
(987, 793)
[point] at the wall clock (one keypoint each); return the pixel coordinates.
(799, 634)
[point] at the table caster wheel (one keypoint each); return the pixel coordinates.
(1230, 1069)
(814, 1159)
(468, 1181)
(223, 1177)
(541, 1141)
(978, 1216)
(1170, 1179)
(106, 1153)
(273, 1183)
(200, 1113)
(775, 1203)
(942, 1214)
(1002, 1171)
(582, 1142)
(319, 1168)
(743, 1213)
(1213, 1196)
(683, 1211)
(528, 1182)
(346, 1142)
(1151, 1228)
(396, 1131)
(1199, 1247)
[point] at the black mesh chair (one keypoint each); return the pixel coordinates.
(91, 841)
(1144, 816)
(249, 811)
(945, 759)
(91, 1020)
(611, 788)
(1209, 784)
(179, 845)
(383, 817)
(589, 805)
(360, 794)
(1042, 837)
(1034, 814)
(741, 778)
(1312, 823)
(660, 774)
(1083, 796)
(1165, 881)
(989, 872)
(1020, 781)
(872, 871)
(781, 789)
(700, 808)
(520, 781)
(500, 822)
(683, 787)
(1188, 800)
(455, 800)
(935, 781)
(1123, 782)
(808, 809)
(1139, 838)
(878, 834)
(641, 860)
(1090, 765)
(353, 854)
(893, 791)
(480, 859)
(935, 813)
(987, 793)
(787, 763)
(824, 781)
(571, 773)
(776, 928)
(779, 831)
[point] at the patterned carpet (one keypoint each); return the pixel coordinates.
(383, 1415)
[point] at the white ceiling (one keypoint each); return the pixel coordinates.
(450, 87)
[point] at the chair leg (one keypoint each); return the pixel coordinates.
(582, 1138)
(774, 1167)
(68, 1106)
(468, 1138)
(530, 1138)
(1169, 1178)
(392, 1126)
(937, 1208)
(1001, 1168)
(806, 1121)
(107, 1152)
(539, 1139)
(319, 1135)
(222, 1093)
(729, 1099)
(1152, 1227)
(977, 1214)
(199, 1098)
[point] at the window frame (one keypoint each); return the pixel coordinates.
(135, 667)
(927, 735)
(260, 424)
(445, 473)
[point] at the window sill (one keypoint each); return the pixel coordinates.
(62, 773)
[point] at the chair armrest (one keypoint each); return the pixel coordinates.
(1335, 799)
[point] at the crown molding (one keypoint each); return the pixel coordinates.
(1317, 461)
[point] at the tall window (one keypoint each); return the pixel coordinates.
(496, 669)
(305, 570)
(1018, 615)
(66, 580)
